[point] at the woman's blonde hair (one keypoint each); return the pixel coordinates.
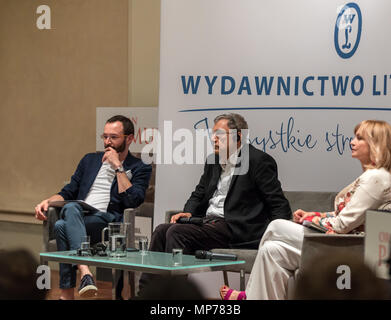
(378, 136)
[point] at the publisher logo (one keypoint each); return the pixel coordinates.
(347, 32)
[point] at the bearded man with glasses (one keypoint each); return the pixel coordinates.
(110, 181)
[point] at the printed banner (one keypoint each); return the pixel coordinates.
(302, 73)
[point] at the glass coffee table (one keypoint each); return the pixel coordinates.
(150, 262)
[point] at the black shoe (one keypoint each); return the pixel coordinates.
(87, 287)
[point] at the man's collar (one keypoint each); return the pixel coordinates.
(128, 160)
(232, 160)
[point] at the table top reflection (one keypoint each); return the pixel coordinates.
(140, 261)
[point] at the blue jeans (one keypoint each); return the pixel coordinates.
(69, 230)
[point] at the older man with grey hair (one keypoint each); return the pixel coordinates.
(236, 206)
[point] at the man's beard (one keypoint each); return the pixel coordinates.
(119, 149)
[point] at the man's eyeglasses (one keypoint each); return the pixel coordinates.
(222, 133)
(112, 137)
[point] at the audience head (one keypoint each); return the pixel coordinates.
(340, 277)
(18, 277)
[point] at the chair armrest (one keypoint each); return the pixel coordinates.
(130, 214)
(145, 210)
(52, 214)
(169, 214)
(129, 217)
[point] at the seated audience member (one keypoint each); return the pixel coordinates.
(110, 181)
(280, 248)
(237, 196)
(18, 276)
(323, 282)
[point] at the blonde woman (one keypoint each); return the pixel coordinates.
(280, 247)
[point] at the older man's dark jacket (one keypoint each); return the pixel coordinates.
(254, 198)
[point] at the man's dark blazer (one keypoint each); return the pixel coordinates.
(88, 169)
(254, 197)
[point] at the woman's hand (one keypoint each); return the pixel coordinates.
(299, 215)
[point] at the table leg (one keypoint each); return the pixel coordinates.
(128, 288)
(114, 284)
(132, 283)
(242, 280)
(225, 276)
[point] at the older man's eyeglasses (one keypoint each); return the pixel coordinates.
(222, 133)
(112, 137)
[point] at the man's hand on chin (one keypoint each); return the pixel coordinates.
(112, 157)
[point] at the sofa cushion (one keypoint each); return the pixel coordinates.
(311, 200)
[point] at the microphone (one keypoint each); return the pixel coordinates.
(190, 220)
(201, 254)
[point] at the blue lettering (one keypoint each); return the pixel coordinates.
(264, 85)
(297, 86)
(198, 124)
(286, 86)
(263, 142)
(210, 84)
(361, 81)
(244, 85)
(338, 140)
(224, 79)
(307, 141)
(339, 86)
(322, 80)
(190, 83)
(306, 92)
(375, 92)
(348, 18)
(285, 139)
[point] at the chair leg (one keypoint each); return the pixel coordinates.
(242, 280)
(43, 261)
(225, 275)
(125, 286)
(132, 284)
(117, 283)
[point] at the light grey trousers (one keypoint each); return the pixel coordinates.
(277, 259)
